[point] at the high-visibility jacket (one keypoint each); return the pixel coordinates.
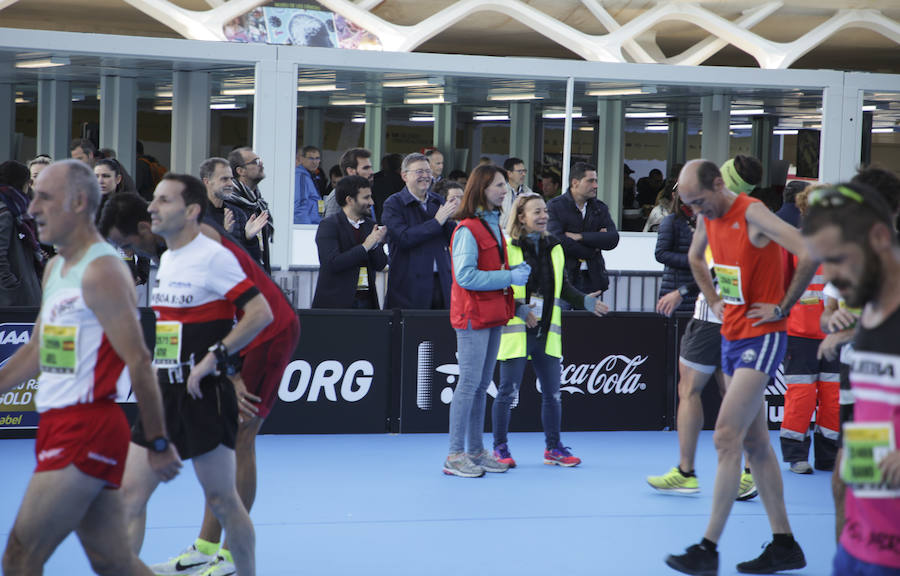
(805, 314)
(513, 342)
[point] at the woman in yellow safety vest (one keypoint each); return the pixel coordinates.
(535, 331)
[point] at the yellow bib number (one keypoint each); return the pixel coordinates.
(168, 344)
(59, 349)
(729, 278)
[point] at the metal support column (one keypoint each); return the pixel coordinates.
(118, 118)
(54, 130)
(445, 134)
(715, 142)
(275, 140)
(374, 134)
(611, 155)
(521, 135)
(676, 144)
(313, 127)
(7, 115)
(841, 141)
(762, 148)
(190, 121)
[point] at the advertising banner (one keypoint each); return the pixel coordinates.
(614, 374)
(339, 380)
(17, 405)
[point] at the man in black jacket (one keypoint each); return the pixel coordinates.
(584, 227)
(350, 250)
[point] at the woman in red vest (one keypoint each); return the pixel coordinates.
(481, 303)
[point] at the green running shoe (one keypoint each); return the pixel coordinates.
(747, 488)
(674, 481)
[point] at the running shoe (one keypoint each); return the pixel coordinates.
(502, 455)
(191, 561)
(801, 467)
(674, 481)
(774, 559)
(696, 560)
(221, 567)
(462, 467)
(747, 488)
(486, 461)
(561, 456)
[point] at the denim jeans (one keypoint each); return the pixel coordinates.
(547, 368)
(847, 565)
(476, 352)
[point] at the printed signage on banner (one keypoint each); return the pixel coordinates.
(17, 405)
(613, 375)
(339, 379)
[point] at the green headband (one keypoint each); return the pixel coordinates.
(733, 180)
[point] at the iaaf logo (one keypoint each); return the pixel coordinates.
(615, 374)
(13, 335)
(299, 379)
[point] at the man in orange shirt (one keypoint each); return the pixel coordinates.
(752, 303)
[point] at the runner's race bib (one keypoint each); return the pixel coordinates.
(729, 278)
(59, 349)
(362, 282)
(865, 446)
(168, 344)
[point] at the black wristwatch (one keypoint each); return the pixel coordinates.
(779, 313)
(159, 444)
(220, 352)
(684, 290)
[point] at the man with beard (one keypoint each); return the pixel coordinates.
(354, 162)
(419, 229)
(752, 303)
(248, 171)
(849, 227)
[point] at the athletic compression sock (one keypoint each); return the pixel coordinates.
(690, 474)
(226, 555)
(206, 547)
(709, 545)
(746, 469)
(783, 540)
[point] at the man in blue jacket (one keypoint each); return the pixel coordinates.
(584, 227)
(350, 250)
(419, 229)
(306, 194)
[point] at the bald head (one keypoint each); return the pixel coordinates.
(702, 189)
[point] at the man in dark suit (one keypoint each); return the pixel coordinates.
(419, 230)
(350, 250)
(584, 227)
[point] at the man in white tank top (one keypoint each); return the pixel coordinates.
(86, 335)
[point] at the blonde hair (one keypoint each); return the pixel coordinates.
(514, 228)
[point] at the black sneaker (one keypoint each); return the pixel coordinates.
(696, 560)
(774, 559)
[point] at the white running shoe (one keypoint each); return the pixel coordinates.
(221, 567)
(191, 561)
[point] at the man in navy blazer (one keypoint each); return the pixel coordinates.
(419, 229)
(584, 227)
(350, 249)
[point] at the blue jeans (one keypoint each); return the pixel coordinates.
(547, 368)
(476, 352)
(847, 565)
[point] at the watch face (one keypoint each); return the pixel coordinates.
(160, 445)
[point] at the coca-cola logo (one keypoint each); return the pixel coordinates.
(615, 374)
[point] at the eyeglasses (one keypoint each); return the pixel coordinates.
(522, 171)
(420, 172)
(314, 158)
(257, 161)
(834, 197)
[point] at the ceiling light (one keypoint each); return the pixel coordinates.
(621, 91)
(555, 113)
(238, 92)
(421, 118)
(51, 62)
(348, 102)
(647, 115)
(585, 128)
(786, 132)
(163, 107)
(164, 93)
(20, 100)
(514, 96)
(491, 117)
(869, 108)
(332, 87)
(747, 111)
(741, 126)
(359, 120)
(657, 128)
(425, 100)
(413, 82)
(882, 130)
